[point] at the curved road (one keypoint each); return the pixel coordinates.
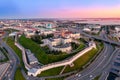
(95, 69)
(98, 66)
(14, 60)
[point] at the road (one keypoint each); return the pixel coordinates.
(95, 69)
(14, 61)
(94, 37)
(107, 69)
(98, 65)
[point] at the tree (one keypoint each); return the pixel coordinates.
(37, 39)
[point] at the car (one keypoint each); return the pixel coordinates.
(105, 72)
(9, 79)
(79, 75)
(27, 78)
(91, 76)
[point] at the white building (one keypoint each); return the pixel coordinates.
(59, 44)
(64, 48)
(69, 34)
(117, 29)
(116, 35)
(46, 32)
(66, 40)
(87, 29)
(31, 58)
(117, 32)
(33, 72)
(92, 28)
(50, 25)
(29, 33)
(75, 35)
(57, 41)
(13, 34)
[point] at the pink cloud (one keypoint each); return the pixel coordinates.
(95, 12)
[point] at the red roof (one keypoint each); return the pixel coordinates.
(68, 32)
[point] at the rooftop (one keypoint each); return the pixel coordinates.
(63, 45)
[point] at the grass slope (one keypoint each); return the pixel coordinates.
(83, 60)
(10, 42)
(51, 72)
(80, 62)
(18, 75)
(39, 53)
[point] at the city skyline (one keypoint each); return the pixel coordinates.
(60, 9)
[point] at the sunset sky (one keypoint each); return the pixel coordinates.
(59, 8)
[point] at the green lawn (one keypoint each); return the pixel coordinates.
(51, 72)
(97, 78)
(81, 47)
(82, 61)
(79, 63)
(49, 58)
(10, 42)
(43, 57)
(55, 79)
(18, 75)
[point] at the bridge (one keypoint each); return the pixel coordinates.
(95, 37)
(101, 39)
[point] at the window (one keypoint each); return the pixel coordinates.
(116, 64)
(115, 70)
(118, 58)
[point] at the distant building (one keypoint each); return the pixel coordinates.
(1, 33)
(1, 28)
(92, 28)
(116, 35)
(67, 34)
(75, 35)
(29, 34)
(87, 29)
(117, 29)
(117, 32)
(13, 34)
(50, 25)
(47, 32)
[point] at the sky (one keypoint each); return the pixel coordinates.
(59, 8)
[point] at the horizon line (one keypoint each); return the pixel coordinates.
(64, 18)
